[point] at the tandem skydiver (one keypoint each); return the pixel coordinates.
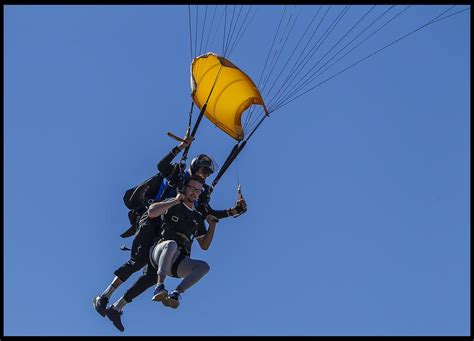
(148, 232)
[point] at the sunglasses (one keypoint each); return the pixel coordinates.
(194, 189)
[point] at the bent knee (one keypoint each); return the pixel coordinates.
(171, 245)
(204, 267)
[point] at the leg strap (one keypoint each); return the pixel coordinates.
(174, 268)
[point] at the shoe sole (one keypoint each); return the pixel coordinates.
(160, 296)
(102, 313)
(169, 302)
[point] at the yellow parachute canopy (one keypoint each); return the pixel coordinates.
(231, 92)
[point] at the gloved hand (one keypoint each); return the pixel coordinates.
(188, 139)
(239, 208)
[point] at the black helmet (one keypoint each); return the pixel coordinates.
(204, 161)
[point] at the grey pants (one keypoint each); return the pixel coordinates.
(164, 254)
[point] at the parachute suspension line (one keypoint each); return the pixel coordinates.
(298, 60)
(314, 75)
(229, 36)
(277, 53)
(294, 50)
(275, 61)
(199, 52)
(316, 46)
(271, 48)
(202, 32)
(453, 14)
(247, 119)
(240, 35)
(235, 32)
(256, 127)
(298, 86)
(196, 29)
(282, 87)
(209, 35)
(225, 26)
(437, 18)
(301, 61)
(379, 17)
(303, 81)
(432, 21)
(190, 33)
(254, 119)
(252, 110)
(210, 28)
(217, 29)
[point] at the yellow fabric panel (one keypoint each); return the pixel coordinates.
(233, 93)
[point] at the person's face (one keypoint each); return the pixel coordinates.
(203, 172)
(192, 190)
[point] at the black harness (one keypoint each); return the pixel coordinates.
(180, 224)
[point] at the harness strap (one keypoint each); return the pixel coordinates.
(183, 253)
(174, 267)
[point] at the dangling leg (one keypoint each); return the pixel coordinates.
(162, 256)
(138, 259)
(101, 301)
(191, 270)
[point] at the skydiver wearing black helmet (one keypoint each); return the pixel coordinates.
(203, 166)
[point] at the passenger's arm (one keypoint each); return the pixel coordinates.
(158, 208)
(206, 240)
(164, 166)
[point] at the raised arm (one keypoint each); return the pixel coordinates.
(206, 240)
(164, 166)
(239, 208)
(158, 208)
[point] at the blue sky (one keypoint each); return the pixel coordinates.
(358, 192)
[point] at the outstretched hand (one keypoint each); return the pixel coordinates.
(188, 139)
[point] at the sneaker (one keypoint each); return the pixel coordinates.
(172, 300)
(115, 317)
(100, 304)
(159, 293)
